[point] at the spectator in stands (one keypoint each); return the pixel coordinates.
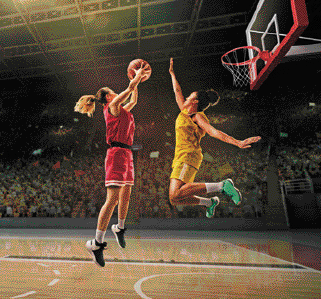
(9, 212)
(247, 211)
(92, 210)
(258, 209)
(155, 210)
(66, 210)
(230, 213)
(33, 211)
(52, 211)
(59, 211)
(3, 210)
(180, 211)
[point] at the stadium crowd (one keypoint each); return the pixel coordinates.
(302, 155)
(74, 187)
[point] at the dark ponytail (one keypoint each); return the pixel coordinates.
(101, 95)
(207, 98)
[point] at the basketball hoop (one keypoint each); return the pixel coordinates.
(239, 62)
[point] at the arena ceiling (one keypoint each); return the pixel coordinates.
(53, 51)
(82, 44)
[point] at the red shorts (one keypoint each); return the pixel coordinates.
(119, 167)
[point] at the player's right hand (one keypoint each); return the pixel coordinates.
(142, 70)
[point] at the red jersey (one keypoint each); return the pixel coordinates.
(120, 128)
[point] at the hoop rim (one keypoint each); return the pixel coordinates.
(247, 62)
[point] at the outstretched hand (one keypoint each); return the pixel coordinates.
(171, 68)
(246, 143)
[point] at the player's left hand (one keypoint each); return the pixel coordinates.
(247, 142)
(171, 67)
(143, 70)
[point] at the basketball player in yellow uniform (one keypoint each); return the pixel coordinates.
(191, 125)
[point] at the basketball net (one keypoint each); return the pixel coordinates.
(238, 62)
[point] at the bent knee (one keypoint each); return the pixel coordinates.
(174, 199)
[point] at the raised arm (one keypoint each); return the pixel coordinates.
(205, 125)
(176, 87)
(114, 105)
(133, 100)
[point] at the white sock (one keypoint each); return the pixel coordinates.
(214, 187)
(121, 223)
(100, 236)
(204, 201)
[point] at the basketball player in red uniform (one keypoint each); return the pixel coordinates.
(119, 167)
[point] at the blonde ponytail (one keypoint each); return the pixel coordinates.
(86, 104)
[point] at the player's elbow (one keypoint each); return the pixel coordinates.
(213, 133)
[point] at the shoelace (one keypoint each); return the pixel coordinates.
(102, 245)
(121, 229)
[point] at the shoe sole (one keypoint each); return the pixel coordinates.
(115, 234)
(238, 191)
(92, 255)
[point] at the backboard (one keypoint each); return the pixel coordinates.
(275, 26)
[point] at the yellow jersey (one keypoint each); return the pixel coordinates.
(188, 137)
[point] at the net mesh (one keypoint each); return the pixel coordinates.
(241, 65)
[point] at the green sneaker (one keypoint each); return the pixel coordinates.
(230, 190)
(211, 210)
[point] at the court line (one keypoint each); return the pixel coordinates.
(149, 261)
(24, 295)
(44, 265)
(270, 256)
(44, 260)
(138, 284)
(53, 282)
(46, 238)
(26, 237)
(110, 238)
(301, 269)
(116, 293)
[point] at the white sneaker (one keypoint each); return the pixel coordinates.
(95, 249)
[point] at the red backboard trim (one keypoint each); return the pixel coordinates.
(301, 22)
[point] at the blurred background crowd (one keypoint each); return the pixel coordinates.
(67, 178)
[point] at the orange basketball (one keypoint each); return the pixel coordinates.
(135, 65)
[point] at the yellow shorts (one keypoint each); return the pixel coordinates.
(184, 172)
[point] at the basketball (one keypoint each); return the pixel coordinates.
(135, 65)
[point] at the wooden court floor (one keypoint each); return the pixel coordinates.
(160, 264)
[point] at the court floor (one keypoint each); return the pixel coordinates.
(161, 264)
